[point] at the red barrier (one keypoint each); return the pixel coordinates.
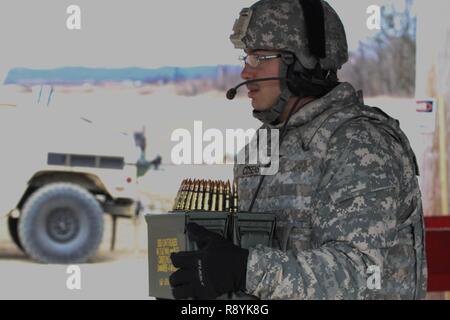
(437, 243)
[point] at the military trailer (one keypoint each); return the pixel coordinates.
(59, 175)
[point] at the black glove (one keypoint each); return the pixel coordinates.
(216, 268)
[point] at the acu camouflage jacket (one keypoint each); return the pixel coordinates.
(347, 203)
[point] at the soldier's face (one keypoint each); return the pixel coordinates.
(263, 94)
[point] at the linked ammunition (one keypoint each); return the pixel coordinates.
(200, 195)
(184, 192)
(190, 192)
(207, 195)
(227, 195)
(214, 196)
(176, 202)
(195, 195)
(220, 197)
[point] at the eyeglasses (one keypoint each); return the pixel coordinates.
(254, 60)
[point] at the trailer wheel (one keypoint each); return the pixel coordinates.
(61, 223)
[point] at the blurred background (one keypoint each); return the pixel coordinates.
(151, 67)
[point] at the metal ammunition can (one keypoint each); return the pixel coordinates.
(167, 234)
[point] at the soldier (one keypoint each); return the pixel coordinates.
(346, 196)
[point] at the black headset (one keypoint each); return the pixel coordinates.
(313, 82)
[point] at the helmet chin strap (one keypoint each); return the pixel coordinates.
(271, 115)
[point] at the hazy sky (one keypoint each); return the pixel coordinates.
(135, 32)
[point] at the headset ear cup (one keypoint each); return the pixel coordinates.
(292, 83)
(300, 84)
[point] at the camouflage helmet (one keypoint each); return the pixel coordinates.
(280, 25)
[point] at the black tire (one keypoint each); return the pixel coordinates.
(13, 228)
(61, 223)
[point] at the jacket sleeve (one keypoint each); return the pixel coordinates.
(353, 219)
